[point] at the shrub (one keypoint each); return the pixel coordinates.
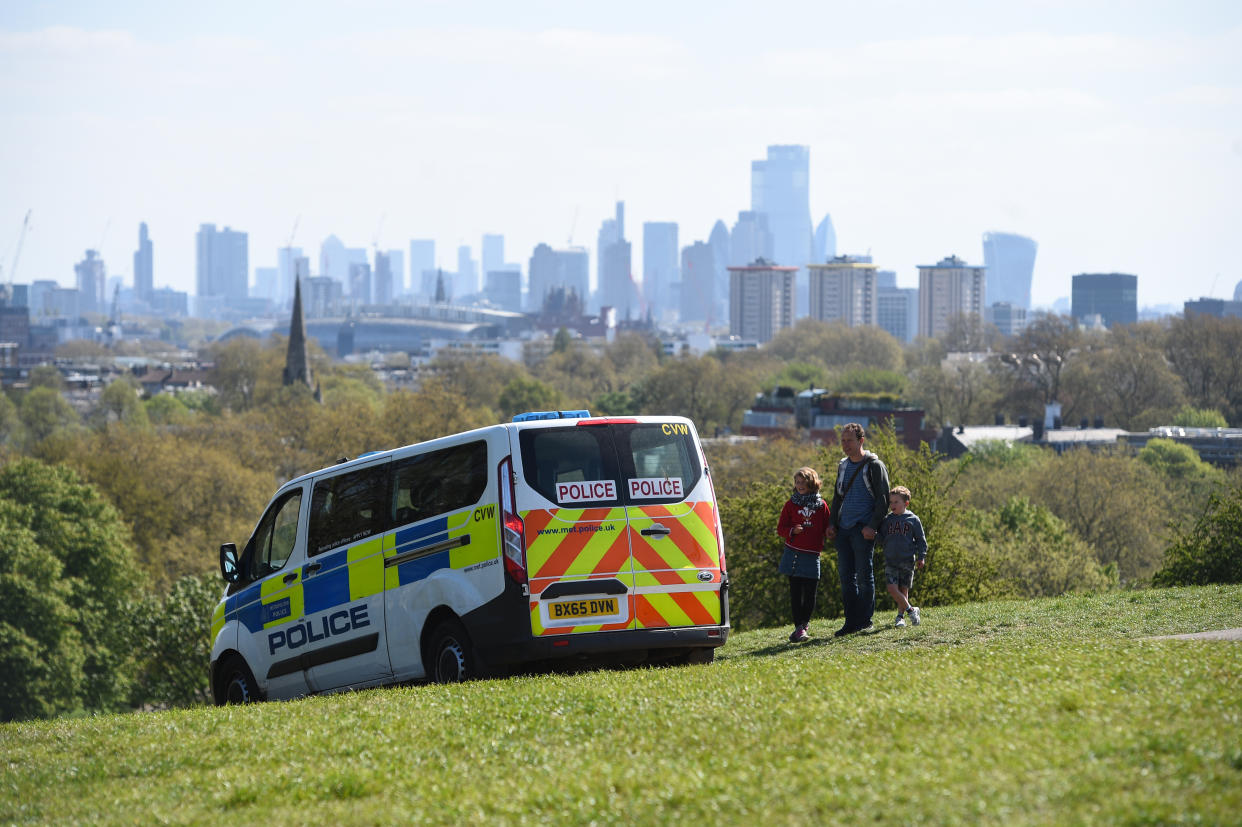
(1211, 552)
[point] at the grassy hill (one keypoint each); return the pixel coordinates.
(1015, 712)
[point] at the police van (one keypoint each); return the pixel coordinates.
(556, 538)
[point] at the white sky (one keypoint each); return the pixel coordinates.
(1109, 131)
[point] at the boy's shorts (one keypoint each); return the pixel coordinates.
(899, 576)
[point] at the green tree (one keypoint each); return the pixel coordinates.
(1203, 351)
(44, 412)
(120, 401)
(10, 422)
(528, 395)
(173, 643)
(1032, 553)
(70, 521)
(167, 409)
(1211, 551)
(1191, 417)
(871, 380)
(41, 654)
(46, 376)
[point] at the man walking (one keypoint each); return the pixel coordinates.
(859, 505)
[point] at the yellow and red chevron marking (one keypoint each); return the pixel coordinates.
(690, 545)
(588, 541)
(697, 608)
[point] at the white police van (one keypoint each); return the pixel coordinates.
(559, 537)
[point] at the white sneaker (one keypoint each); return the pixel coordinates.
(901, 621)
(914, 615)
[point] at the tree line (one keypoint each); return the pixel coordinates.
(112, 515)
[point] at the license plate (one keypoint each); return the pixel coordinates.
(595, 607)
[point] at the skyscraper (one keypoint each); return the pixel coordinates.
(721, 242)
(423, 267)
(1010, 263)
(92, 283)
(334, 260)
(949, 288)
(550, 269)
(660, 271)
(616, 283)
(698, 282)
(467, 281)
(751, 239)
(381, 287)
(844, 289)
(1112, 296)
(780, 188)
(897, 311)
(223, 263)
(144, 265)
(825, 240)
(493, 252)
(287, 263)
(761, 300)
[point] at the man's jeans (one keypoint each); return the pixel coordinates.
(854, 555)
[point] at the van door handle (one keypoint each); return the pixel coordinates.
(313, 567)
(656, 530)
(291, 576)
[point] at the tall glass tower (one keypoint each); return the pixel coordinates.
(1010, 263)
(780, 188)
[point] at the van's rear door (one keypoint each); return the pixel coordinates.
(672, 524)
(577, 542)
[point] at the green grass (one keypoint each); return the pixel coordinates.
(1016, 712)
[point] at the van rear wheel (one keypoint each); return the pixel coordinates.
(700, 655)
(237, 684)
(452, 657)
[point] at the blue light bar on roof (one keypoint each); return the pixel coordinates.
(530, 416)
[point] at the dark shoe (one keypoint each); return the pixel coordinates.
(847, 629)
(800, 634)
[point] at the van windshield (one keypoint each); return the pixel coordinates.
(641, 464)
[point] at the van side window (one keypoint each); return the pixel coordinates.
(347, 508)
(438, 482)
(565, 455)
(273, 540)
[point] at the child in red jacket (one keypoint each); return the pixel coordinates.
(803, 526)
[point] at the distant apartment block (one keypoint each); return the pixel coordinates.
(91, 278)
(949, 288)
(1010, 263)
(697, 295)
(1111, 296)
(815, 414)
(615, 276)
(1214, 307)
(423, 267)
(897, 311)
(761, 300)
(844, 290)
(1009, 319)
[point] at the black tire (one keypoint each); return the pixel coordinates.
(236, 684)
(451, 655)
(701, 655)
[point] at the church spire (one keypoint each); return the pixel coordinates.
(297, 365)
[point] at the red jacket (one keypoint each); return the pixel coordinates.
(811, 537)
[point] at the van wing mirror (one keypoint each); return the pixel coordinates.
(230, 565)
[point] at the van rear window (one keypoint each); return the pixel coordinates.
(642, 464)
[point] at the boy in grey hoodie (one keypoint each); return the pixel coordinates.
(905, 548)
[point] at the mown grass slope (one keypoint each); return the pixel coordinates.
(1016, 712)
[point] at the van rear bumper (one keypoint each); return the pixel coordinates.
(502, 636)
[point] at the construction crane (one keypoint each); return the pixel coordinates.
(17, 253)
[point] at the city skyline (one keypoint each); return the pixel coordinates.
(1113, 139)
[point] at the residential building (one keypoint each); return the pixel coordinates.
(844, 289)
(1009, 319)
(382, 285)
(467, 281)
(761, 300)
(1010, 263)
(504, 289)
(897, 311)
(814, 414)
(949, 288)
(1111, 296)
(1214, 307)
(492, 252)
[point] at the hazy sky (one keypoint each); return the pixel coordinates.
(1111, 132)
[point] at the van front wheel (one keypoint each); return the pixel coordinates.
(452, 659)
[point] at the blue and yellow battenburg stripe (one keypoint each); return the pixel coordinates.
(326, 581)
